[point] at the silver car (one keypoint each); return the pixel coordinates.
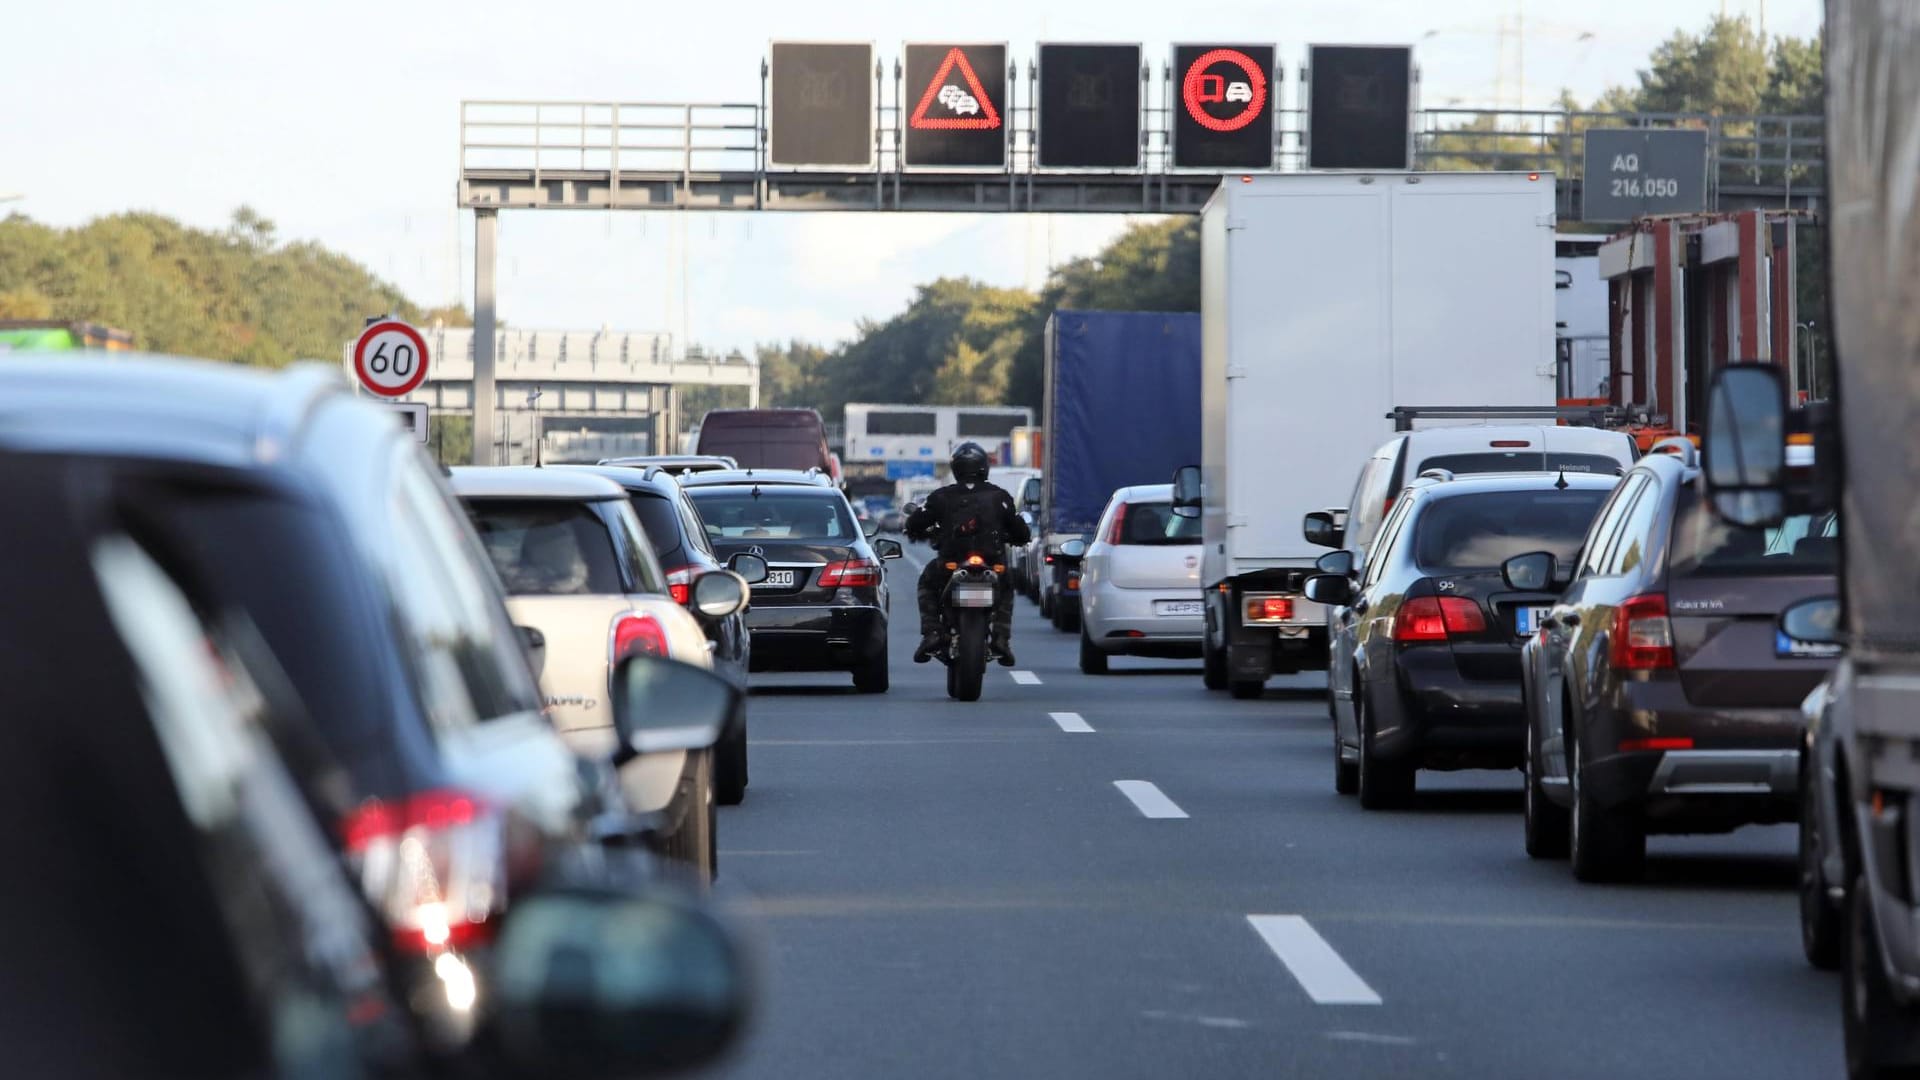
(1140, 581)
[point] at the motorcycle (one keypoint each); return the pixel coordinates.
(966, 611)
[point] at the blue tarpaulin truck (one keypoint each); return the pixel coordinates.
(1122, 407)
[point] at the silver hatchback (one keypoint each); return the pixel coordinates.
(1140, 581)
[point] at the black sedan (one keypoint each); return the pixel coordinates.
(1426, 644)
(823, 603)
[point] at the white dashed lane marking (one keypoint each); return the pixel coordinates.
(1148, 799)
(1026, 678)
(1312, 962)
(1071, 721)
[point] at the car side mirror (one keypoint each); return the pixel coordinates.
(1186, 491)
(536, 646)
(1745, 451)
(872, 528)
(661, 705)
(1027, 516)
(1532, 572)
(1074, 549)
(1814, 622)
(751, 568)
(1335, 562)
(1321, 529)
(888, 548)
(1333, 590)
(718, 593)
(594, 984)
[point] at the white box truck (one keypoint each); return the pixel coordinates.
(1327, 300)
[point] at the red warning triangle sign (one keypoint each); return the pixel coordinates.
(971, 111)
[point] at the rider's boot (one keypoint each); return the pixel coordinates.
(931, 642)
(1000, 643)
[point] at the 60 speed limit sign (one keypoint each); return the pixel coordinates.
(390, 358)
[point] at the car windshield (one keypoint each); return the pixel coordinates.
(1156, 523)
(771, 513)
(1707, 545)
(547, 547)
(1481, 530)
(1513, 461)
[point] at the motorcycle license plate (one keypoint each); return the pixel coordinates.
(776, 579)
(1178, 607)
(973, 596)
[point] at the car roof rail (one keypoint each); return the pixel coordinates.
(1679, 446)
(1435, 474)
(653, 472)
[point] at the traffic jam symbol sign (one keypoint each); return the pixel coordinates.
(390, 359)
(1224, 90)
(1224, 115)
(967, 107)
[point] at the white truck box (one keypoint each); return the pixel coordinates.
(1327, 299)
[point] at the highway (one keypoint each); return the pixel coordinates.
(1128, 876)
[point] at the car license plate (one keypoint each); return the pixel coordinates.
(1178, 607)
(1803, 650)
(776, 579)
(1528, 619)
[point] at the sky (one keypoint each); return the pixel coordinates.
(340, 122)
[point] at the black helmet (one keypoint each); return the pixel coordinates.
(970, 463)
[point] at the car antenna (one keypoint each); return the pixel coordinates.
(1561, 483)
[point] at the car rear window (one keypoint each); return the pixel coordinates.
(1705, 545)
(1501, 461)
(1481, 530)
(661, 519)
(1155, 523)
(765, 513)
(546, 547)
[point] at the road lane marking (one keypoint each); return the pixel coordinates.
(1070, 721)
(1148, 799)
(1026, 678)
(1312, 962)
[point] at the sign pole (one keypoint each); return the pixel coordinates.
(486, 225)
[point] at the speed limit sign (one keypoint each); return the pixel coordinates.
(390, 359)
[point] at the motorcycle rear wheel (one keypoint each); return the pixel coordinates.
(969, 655)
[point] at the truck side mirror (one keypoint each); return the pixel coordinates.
(1321, 530)
(1746, 444)
(1186, 491)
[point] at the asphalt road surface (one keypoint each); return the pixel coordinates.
(1128, 876)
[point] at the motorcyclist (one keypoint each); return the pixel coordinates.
(967, 517)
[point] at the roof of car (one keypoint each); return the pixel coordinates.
(627, 476)
(1544, 436)
(145, 405)
(1527, 481)
(796, 477)
(695, 462)
(821, 490)
(1144, 493)
(528, 482)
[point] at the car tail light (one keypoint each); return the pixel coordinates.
(856, 572)
(1642, 634)
(1656, 744)
(1269, 608)
(680, 584)
(637, 634)
(1119, 524)
(432, 865)
(1434, 618)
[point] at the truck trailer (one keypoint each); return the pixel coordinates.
(1328, 300)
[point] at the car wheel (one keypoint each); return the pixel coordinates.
(1246, 689)
(694, 844)
(1546, 822)
(1821, 926)
(1606, 845)
(1045, 600)
(1882, 1037)
(1092, 660)
(1381, 784)
(872, 676)
(1068, 616)
(1346, 774)
(730, 772)
(1213, 664)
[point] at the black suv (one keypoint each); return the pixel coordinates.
(1426, 645)
(1661, 694)
(823, 603)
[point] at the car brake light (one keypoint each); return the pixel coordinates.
(1269, 608)
(1119, 524)
(637, 634)
(853, 573)
(431, 864)
(1656, 744)
(1433, 618)
(1642, 634)
(1506, 443)
(680, 584)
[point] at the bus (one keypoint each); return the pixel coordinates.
(918, 439)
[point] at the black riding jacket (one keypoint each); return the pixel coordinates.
(968, 519)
